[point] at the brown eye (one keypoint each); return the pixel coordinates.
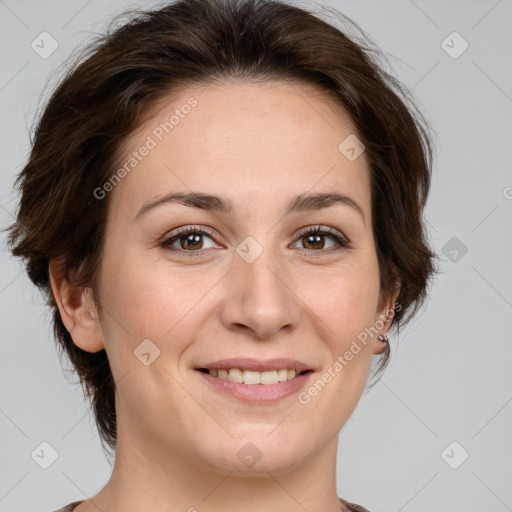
(187, 240)
(313, 239)
(192, 241)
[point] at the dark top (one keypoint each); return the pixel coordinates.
(352, 507)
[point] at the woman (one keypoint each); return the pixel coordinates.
(223, 206)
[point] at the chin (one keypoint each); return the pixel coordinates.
(256, 452)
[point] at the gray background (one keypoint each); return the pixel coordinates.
(450, 375)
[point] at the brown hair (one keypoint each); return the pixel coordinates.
(121, 76)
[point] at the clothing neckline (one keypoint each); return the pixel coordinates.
(345, 505)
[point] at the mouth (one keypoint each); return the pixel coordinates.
(253, 377)
(253, 380)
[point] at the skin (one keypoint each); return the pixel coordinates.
(178, 437)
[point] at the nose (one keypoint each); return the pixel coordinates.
(260, 298)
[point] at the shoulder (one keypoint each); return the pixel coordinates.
(69, 507)
(352, 507)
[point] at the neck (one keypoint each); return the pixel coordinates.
(147, 477)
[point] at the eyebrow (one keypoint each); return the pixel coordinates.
(305, 201)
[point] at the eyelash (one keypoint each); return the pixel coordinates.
(342, 241)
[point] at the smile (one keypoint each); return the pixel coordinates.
(251, 377)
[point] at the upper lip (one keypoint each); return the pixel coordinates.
(257, 365)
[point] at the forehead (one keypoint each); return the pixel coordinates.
(254, 138)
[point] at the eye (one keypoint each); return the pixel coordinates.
(189, 240)
(313, 237)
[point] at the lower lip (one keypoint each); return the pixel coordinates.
(258, 392)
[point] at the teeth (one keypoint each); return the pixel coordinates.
(235, 375)
(282, 375)
(269, 377)
(250, 377)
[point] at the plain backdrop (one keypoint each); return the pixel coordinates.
(434, 434)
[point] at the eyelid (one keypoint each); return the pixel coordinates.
(342, 241)
(183, 230)
(322, 229)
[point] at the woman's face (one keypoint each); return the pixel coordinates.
(244, 283)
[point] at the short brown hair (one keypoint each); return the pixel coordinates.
(122, 74)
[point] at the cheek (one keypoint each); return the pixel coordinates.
(346, 299)
(349, 312)
(150, 298)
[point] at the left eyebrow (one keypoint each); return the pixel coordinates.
(302, 202)
(317, 201)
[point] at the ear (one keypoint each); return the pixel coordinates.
(77, 310)
(384, 317)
